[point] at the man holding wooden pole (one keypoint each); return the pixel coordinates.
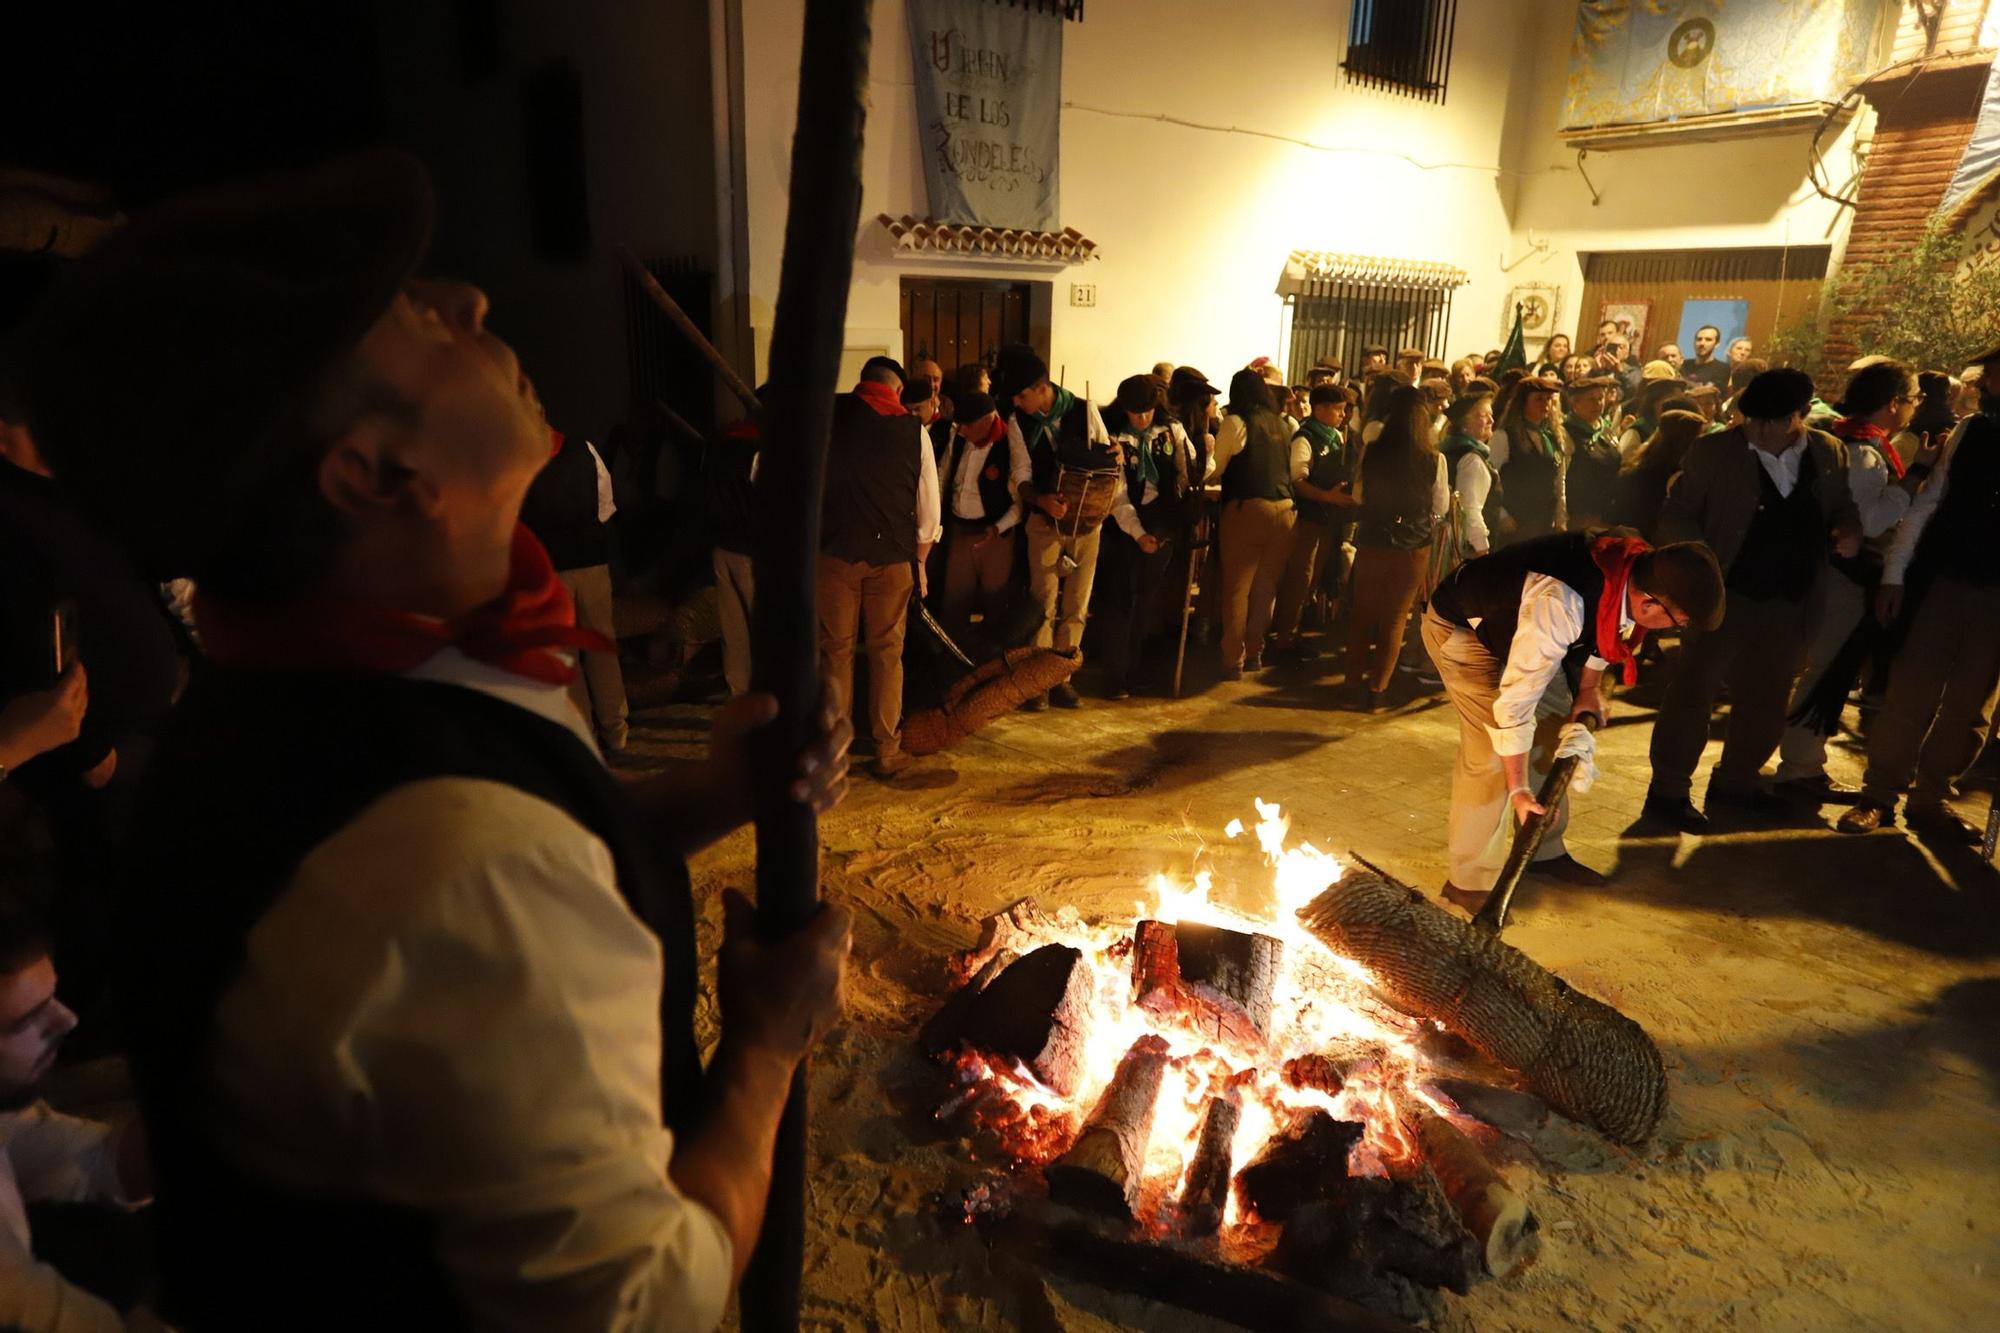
(1522, 638)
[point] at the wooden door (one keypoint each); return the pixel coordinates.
(954, 321)
(1780, 286)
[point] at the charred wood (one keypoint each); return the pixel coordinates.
(1035, 1010)
(1304, 1162)
(1206, 1195)
(1498, 1219)
(1403, 1225)
(946, 1027)
(1253, 1298)
(1506, 1109)
(1218, 980)
(1585, 1058)
(1322, 1073)
(1104, 1168)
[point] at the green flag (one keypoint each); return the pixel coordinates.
(1515, 353)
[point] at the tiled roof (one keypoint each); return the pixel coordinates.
(1068, 246)
(1306, 268)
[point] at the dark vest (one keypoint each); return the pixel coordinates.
(1161, 518)
(1487, 588)
(872, 466)
(1787, 543)
(1592, 481)
(257, 769)
(1326, 467)
(1068, 446)
(561, 508)
(1962, 540)
(1531, 477)
(1262, 469)
(1407, 526)
(996, 487)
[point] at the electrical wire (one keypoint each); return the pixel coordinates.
(1346, 149)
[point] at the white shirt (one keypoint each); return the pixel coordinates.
(1918, 517)
(606, 505)
(1474, 483)
(1881, 501)
(49, 1157)
(1021, 471)
(965, 499)
(1551, 621)
(1783, 469)
(451, 1008)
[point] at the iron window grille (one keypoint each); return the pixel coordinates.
(1339, 316)
(1401, 46)
(1069, 9)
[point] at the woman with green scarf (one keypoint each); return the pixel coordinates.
(1530, 452)
(1474, 480)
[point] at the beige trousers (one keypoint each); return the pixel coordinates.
(1065, 601)
(1941, 686)
(873, 603)
(1481, 828)
(735, 596)
(975, 577)
(1312, 543)
(598, 688)
(1256, 543)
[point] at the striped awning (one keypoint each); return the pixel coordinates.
(1316, 272)
(1068, 246)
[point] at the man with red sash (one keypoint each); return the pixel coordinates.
(412, 978)
(1522, 637)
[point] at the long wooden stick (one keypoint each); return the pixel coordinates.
(1492, 917)
(672, 309)
(807, 336)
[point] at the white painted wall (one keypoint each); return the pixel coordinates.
(1740, 192)
(1193, 224)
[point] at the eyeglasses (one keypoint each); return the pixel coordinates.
(1673, 619)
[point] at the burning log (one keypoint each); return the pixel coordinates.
(1322, 1073)
(1219, 979)
(1206, 1194)
(1499, 1220)
(1035, 1010)
(1585, 1058)
(1304, 1162)
(1506, 1109)
(992, 690)
(1046, 1237)
(1014, 930)
(1404, 1225)
(945, 1027)
(1104, 1168)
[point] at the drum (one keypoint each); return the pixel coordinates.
(1088, 492)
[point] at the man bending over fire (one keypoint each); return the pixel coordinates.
(1522, 638)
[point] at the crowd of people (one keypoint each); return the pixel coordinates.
(310, 664)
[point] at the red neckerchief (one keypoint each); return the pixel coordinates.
(743, 429)
(882, 398)
(994, 434)
(518, 631)
(1847, 428)
(1614, 556)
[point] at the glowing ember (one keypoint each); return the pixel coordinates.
(1320, 1006)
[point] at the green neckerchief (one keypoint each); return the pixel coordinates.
(1547, 432)
(1458, 442)
(1149, 471)
(1045, 422)
(1322, 435)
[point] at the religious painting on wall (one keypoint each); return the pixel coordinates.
(1631, 317)
(1540, 305)
(1639, 62)
(989, 99)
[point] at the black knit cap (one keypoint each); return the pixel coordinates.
(970, 407)
(1017, 366)
(161, 374)
(1776, 394)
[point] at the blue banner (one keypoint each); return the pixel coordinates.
(1636, 62)
(989, 111)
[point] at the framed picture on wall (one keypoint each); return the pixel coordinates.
(1631, 317)
(1731, 320)
(1540, 305)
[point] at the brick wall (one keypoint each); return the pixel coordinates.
(1922, 126)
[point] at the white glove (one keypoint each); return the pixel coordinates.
(1578, 742)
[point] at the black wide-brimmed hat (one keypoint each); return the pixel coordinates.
(162, 374)
(1017, 366)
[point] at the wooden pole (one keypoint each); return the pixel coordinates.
(807, 336)
(672, 309)
(1492, 916)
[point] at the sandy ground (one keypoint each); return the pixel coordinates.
(1829, 1010)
